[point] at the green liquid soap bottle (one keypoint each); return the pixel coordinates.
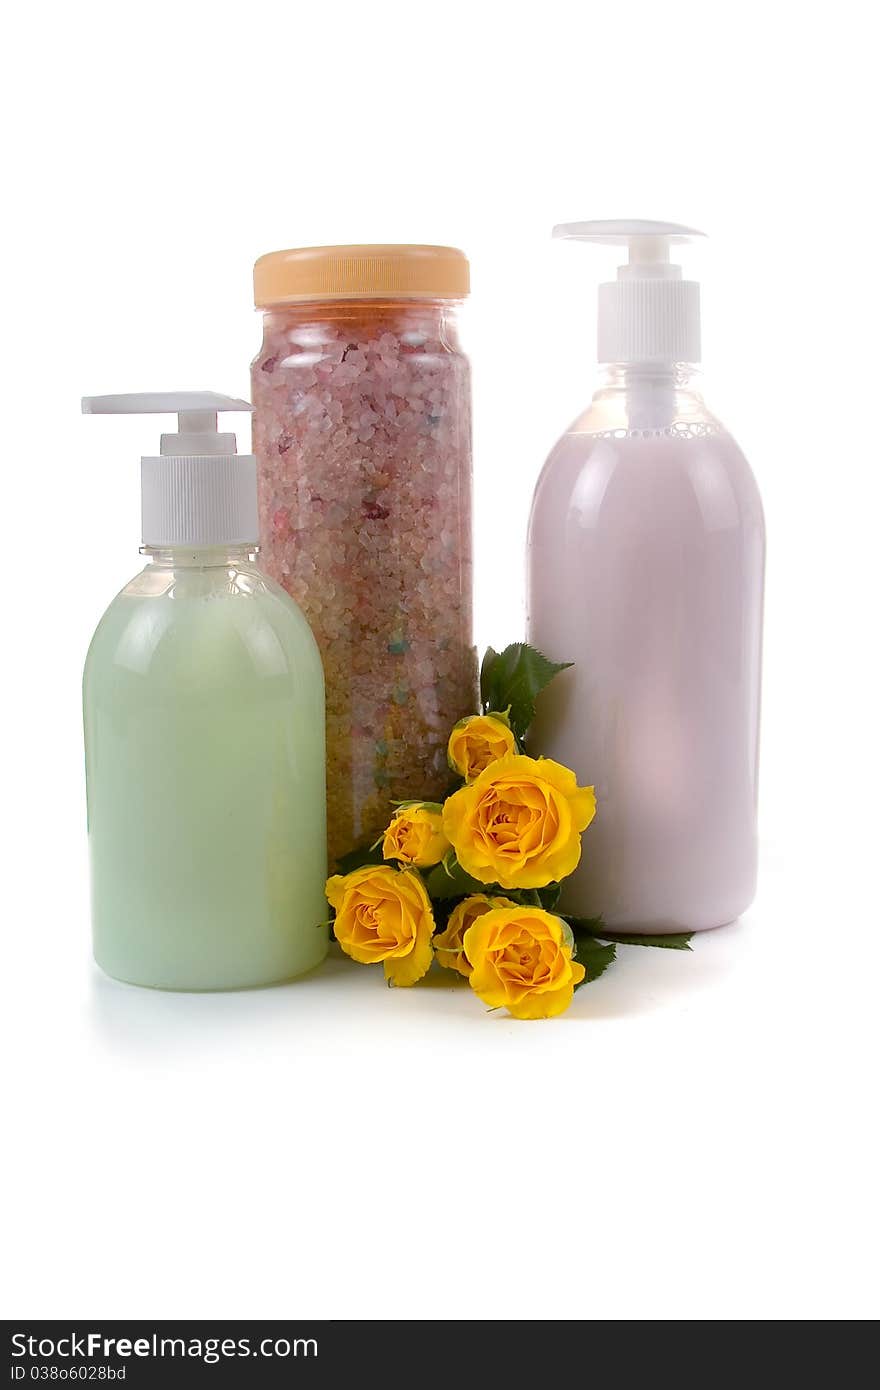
(203, 705)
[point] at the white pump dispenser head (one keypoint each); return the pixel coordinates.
(198, 492)
(649, 313)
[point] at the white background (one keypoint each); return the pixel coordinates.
(696, 1137)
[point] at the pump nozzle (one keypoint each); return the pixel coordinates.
(649, 313)
(198, 491)
(196, 413)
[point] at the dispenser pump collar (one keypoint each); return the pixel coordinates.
(198, 491)
(649, 314)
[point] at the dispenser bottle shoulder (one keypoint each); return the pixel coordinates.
(165, 617)
(588, 478)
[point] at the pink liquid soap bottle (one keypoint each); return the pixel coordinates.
(646, 570)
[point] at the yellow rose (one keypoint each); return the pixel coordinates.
(449, 945)
(520, 823)
(384, 914)
(522, 961)
(415, 836)
(477, 741)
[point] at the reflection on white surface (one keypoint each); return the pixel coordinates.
(153, 1022)
(339, 1001)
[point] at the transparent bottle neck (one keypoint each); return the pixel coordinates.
(647, 396)
(620, 375)
(202, 557)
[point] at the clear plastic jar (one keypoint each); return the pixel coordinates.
(363, 438)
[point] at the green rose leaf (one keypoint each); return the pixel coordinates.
(549, 897)
(586, 926)
(675, 941)
(449, 880)
(511, 680)
(594, 956)
(526, 897)
(357, 858)
(595, 927)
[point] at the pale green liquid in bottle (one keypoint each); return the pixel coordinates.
(203, 704)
